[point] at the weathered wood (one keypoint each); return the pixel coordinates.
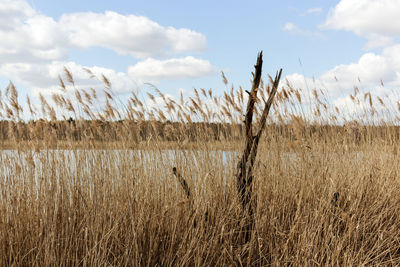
(264, 115)
(244, 174)
(182, 182)
(241, 178)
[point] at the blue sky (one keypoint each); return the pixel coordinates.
(190, 42)
(235, 31)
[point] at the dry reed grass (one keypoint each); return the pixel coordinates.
(325, 195)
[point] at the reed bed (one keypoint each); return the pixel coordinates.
(88, 180)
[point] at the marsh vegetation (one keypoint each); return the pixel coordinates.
(89, 179)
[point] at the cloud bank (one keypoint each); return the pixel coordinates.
(34, 47)
(375, 20)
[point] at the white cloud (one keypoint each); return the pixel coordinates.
(292, 28)
(375, 20)
(313, 10)
(175, 68)
(11, 11)
(30, 37)
(370, 70)
(368, 74)
(44, 77)
(34, 47)
(27, 35)
(129, 35)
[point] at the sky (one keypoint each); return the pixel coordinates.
(181, 45)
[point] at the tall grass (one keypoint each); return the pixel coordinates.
(327, 186)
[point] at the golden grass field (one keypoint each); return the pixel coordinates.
(104, 193)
